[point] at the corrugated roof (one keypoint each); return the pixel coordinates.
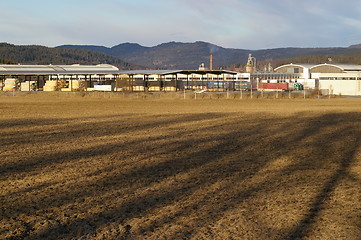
(165, 72)
(344, 67)
(350, 67)
(149, 72)
(303, 65)
(10, 69)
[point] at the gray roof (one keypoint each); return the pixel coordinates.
(10, 69)
(148, 72)
(344, 67)
(167, 72)
(303, 65)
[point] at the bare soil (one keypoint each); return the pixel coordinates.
(104, 167)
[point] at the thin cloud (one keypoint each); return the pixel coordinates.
(245, 24)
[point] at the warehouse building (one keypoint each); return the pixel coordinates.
(175, 80)
(105, 77)
(55, 77)
(339, 79)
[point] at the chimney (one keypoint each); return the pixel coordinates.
(211, 61)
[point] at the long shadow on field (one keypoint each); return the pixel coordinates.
(347, 136)
(65, 157)
(182, 176)
(135, 147)
(48, 130)
(72, 129)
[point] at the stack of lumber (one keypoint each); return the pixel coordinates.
(11, 84)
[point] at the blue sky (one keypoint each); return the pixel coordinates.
(246, 24)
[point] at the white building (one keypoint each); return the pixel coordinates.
(339, 79)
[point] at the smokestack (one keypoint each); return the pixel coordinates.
(211, 61)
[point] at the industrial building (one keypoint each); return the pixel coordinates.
(175, 80)
(55, 77)
(337, 79)
(105, 77)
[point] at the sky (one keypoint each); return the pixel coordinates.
(243, 24)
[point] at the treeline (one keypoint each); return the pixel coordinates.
(10, 54)
(349, 58)
(6, 61)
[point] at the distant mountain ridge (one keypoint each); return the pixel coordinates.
(355, 46)
(178, 55)
(172, 55)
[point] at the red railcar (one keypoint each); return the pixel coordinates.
(273, 86)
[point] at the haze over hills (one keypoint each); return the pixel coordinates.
(177, 55)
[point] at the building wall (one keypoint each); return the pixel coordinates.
(339, 83)
(340, 87)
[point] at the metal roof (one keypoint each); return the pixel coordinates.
(302, 65)
(149, 72)
(344, 67)
(10, 69)
(273, 74)
(169, 72)
(203, 72)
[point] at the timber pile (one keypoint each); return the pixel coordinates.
(11, 84)
(53, 85)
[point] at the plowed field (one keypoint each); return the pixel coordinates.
(75, 167)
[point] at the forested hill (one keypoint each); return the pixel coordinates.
(178, 55)
(10, 54)
(173, 55)
(347, 58)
